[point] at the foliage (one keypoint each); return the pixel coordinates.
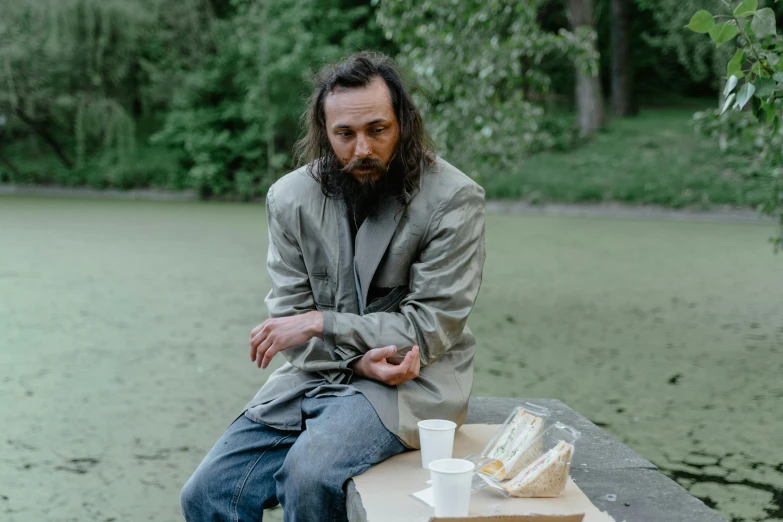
(651, 159)
(75, 72)
(757, 69)
(697, 55)
(84, 83)
(481, 66)
(236, 118)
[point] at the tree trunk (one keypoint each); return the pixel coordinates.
(622, 64)
(589, 99)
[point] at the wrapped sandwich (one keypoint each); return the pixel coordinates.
(516, 446)
(546, 477)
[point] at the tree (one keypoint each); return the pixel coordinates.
(755, 82)
(589, 98)
(622, 63)
(72, 72)
(702, 60)
(237, 117)
(482, 68)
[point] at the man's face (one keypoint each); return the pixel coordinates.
(362, 129)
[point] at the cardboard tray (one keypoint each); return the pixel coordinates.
(386, 488)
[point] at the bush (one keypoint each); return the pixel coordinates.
(236, 120)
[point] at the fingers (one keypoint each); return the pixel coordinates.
(257, 336)
(396, 375)
(257, 329)
(255, 342)
(380, 354)
(268, 354)
(407, 370)
(416, 365)
(253, 348)
(262, 349)
(404, 367)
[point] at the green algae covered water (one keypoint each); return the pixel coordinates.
(124, 325)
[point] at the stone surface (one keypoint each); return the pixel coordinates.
(650, 495)
(602, 467)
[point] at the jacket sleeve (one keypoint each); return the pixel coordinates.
(443, 285)
(291, 294)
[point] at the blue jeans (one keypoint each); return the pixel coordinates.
(254, 466)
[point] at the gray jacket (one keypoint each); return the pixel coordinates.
(427, 257)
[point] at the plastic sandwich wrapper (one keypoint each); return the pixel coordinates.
(528, 456)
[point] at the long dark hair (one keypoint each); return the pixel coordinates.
(415, 149)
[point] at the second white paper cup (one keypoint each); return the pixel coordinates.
(451, 480)
(437, 440)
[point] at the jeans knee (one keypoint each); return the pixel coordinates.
(193, 499)
(307, 484)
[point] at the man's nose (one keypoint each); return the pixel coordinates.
(362, 146)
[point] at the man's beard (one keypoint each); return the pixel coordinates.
(362, 197)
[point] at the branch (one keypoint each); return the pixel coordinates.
(46, 136)
(750, 44)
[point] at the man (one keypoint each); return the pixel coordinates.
(376, 250)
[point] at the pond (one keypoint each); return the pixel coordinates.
(123, 335)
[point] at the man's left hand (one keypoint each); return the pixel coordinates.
(275, 335)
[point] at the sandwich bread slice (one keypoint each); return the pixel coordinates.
(546, 477)
(516, 447)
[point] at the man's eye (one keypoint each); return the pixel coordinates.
(344, 134)
(379, 130)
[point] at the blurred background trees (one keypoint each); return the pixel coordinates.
(206, 94)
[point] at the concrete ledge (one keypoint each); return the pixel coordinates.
(613, 477)
(641, 495)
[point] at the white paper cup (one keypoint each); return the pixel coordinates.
(451, 480)
(437, 440)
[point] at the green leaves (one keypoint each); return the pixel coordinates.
(734, 67)
(728, 101)
(764, 88)
(701, 22)
(233, 108)
(763, 23)
(489, 65)
(730, 84)
(722, 33)
(770, 112)
(744, 95)
(756, 132)
(746, 8)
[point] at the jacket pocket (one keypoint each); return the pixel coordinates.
(324, 289)
(390, 302)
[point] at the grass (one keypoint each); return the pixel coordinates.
(654, 158)
(651, 159)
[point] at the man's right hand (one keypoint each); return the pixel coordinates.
(373, 365)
